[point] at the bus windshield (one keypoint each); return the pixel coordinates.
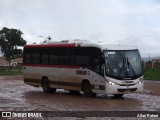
(123, 64)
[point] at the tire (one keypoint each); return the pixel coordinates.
(87, 89)
(118, 95)
(46, 85)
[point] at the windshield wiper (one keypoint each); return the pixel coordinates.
(130, 66)
(107, 66)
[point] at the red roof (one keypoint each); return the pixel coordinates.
(50, 45)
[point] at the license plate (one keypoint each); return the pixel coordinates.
(127, 91)
(124, 82)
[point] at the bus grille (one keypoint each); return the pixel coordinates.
(127, 85)
(123, 90)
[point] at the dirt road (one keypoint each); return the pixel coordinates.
(17, 96)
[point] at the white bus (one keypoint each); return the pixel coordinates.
(81, 66)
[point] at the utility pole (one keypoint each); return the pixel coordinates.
(149, 58)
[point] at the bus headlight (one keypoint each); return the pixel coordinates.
(140, 81)
(111, 83)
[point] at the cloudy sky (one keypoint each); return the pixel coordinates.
(113, 21)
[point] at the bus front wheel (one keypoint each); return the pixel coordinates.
(87, 89)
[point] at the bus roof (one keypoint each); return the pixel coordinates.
(105, 46)
(102, 46)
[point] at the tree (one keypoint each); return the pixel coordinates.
(10, 40)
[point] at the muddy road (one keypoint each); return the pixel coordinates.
(17, 96)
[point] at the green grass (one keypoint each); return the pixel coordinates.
(152, 74)
(11, 71)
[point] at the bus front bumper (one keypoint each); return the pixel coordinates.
(123, 89)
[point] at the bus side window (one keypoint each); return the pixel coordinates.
(45, 56)
(54, 57)
(64, 57)
(71, 52)
(96, 64)
(27, 58)
(35, 58)
(82, 58)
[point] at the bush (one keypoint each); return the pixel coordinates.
(6, 70)
(152, 74)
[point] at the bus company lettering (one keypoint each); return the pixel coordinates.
(26, 114)
(82, 72)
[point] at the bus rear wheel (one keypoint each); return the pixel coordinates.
(87, 89)
(46, 86)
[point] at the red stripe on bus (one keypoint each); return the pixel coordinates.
(54, 66)
(50, 45)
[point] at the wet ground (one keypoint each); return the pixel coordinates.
(17, 96)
